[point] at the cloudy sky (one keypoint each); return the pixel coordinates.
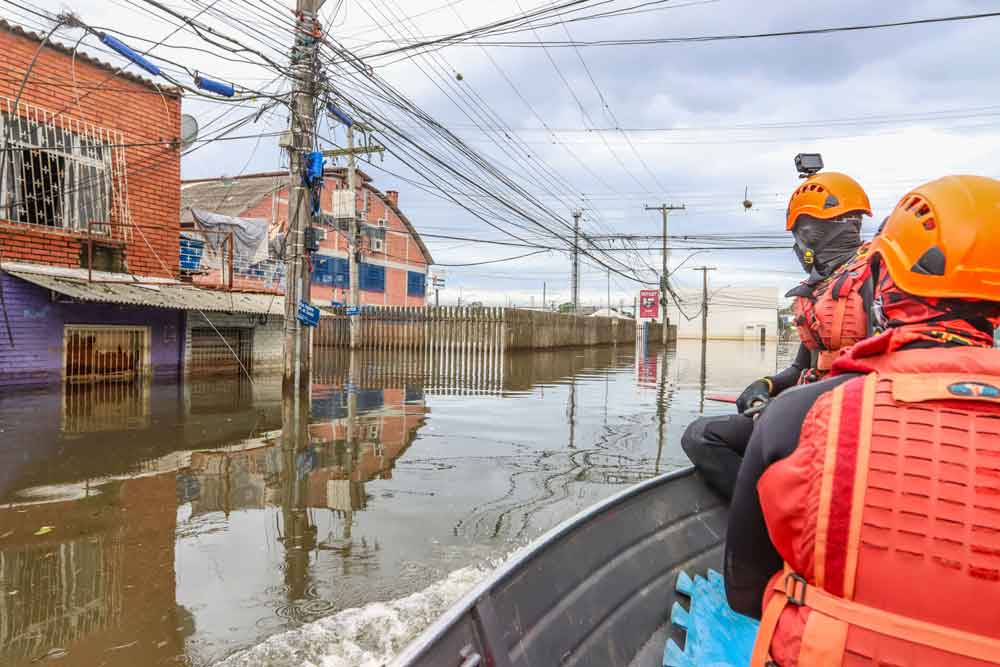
(702, 122)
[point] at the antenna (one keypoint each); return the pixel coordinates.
(189, 131)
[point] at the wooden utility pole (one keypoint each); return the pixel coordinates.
(297, 351)
(704, 299)
(575, 285)
(664, 209)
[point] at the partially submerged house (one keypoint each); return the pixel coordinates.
(394, 259)
(91, 283)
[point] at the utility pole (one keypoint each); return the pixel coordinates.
(354, 230)
(544, 295)
(575, 285)
(664, 209)
(353, 242)
(609, 291)
(704, 299)
(297, 351)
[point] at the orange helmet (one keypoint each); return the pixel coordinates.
(827, 195)
(942, 239)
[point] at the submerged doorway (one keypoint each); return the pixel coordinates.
(221, 351)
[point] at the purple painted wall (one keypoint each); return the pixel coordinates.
(37, 327)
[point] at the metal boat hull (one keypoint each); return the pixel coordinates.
(594, 591)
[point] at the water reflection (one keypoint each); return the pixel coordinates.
(174, 523)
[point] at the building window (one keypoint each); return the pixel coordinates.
(60, 172)
(372, 277)
(332, 271)
(105, 354)
(221, 350)
(416, 284)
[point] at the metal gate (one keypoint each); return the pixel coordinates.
(105, 354)
(221, 350)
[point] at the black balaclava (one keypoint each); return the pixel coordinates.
(822, 246)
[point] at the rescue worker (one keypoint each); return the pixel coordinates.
(824, 215)
(865, 525)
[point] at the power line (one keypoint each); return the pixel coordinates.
(460, 39)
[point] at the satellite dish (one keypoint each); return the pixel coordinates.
(189, 131)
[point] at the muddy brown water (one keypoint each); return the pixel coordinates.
(176, 524)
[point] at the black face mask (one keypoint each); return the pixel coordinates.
(822, 246)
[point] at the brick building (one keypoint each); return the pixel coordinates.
(90, 286)
(394, 261)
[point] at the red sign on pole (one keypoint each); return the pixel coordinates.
(649, 303)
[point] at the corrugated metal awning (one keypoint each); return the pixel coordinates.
(177, 296)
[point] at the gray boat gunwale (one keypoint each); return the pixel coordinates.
(519, 559)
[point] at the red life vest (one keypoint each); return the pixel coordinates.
(833, 314)
(888, 516)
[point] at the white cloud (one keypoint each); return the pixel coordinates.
(892, 78)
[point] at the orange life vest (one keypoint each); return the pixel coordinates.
(888, 517)
(833, 314)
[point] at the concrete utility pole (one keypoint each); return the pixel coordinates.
(354, 231)
(575, 284)
(704, 299)
(297, 351)
(544, 289)
(609, 291)
(353, 241)
(664, 209)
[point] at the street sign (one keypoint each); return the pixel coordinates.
(352, 311)
(649, 306)
(308, 314)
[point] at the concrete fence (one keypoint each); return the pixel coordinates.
(470, 329)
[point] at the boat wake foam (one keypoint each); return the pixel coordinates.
(368, 636)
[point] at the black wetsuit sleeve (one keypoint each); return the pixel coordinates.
(790, 376)
(751, 559)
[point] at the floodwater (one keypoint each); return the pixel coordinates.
(166, 524)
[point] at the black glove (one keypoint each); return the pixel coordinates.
(758, 391)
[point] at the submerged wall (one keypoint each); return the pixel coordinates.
(31, 351)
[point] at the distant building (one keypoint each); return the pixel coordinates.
(734, 313)
(394, 259)
(92, 287)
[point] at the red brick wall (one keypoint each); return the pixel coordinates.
(400, 247)
(142, 113)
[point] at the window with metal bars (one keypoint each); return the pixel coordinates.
(105, 354)
(59, 172)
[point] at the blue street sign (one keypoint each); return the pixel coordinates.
(351, 312)
(308, 314)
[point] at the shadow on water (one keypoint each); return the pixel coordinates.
(177, 523)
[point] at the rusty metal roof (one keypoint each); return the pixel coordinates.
(233, 196)
(227, 196)
(158, 294)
